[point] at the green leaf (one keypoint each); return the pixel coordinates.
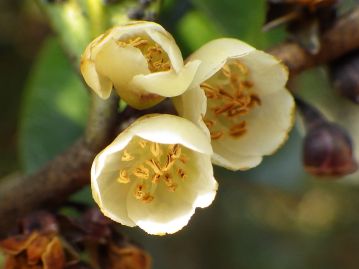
(240, 19)
(77, 22)
(55, 108)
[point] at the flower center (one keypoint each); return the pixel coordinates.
(230, 98)
(157, 59)
(152, 165)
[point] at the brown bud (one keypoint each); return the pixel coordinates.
(344, 74)
(327, 148)
(328, 151)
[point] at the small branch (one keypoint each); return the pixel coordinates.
(62, 176)
(342, 38)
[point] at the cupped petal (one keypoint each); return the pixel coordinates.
(214, 54)
(268, 129)
(268, 126)
(167, 83)
(100, 84)
(120, 64)
(169, 129)
(196, 112)
(232, 159)
(168, 44)
(110, 197)
(205, 184)
(105, 190)
(266, 72)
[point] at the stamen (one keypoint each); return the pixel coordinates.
(175, 151)
(210, 92)
(134, 42)
(226, 71)
(155, 166)
(126, 157)
(242, 68)
(216, 135)
(239, 129)
(155, 149)
(209, 123)
(238, 111)
(138, 41)
(140, 194)
(169, 163)
(183, 159)
(156, 59)
(123, 177)
(247, 84)
(181, 173)
(169, 183)
(255, 100)
(142, 143)
(156, 178)
(225, 94)
(147, 198)
(223, 108)
(142, 172)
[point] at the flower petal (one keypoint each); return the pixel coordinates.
(194, 113)
(268, 128)
(100, 84)
(166, 41)
(110, 197)
(214, 54)
(265, 71)
(169, 129)
(168, 83)
(120, 64)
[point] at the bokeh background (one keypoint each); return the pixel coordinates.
(273, 216)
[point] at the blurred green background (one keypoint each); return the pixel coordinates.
(273, 216)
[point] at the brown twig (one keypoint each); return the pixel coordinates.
(62, 176)
(342, 38)
(70, 171)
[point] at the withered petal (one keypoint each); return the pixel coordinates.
(129, 257)
(15, 244)
(36, 248)
(54, 257)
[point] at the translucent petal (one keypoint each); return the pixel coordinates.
(267, 129)
(168, 83)
(266, 72)
(107, 192)
(214, 55)
(169, 129)
(120, 64)
(100, 84)
(168, 44)
(192, 105)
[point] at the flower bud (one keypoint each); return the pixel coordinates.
(140, 60)
(344, 74)
(327, 147)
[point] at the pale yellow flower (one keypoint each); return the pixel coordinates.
(141, 60)
(154, 174)
(239, 94)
